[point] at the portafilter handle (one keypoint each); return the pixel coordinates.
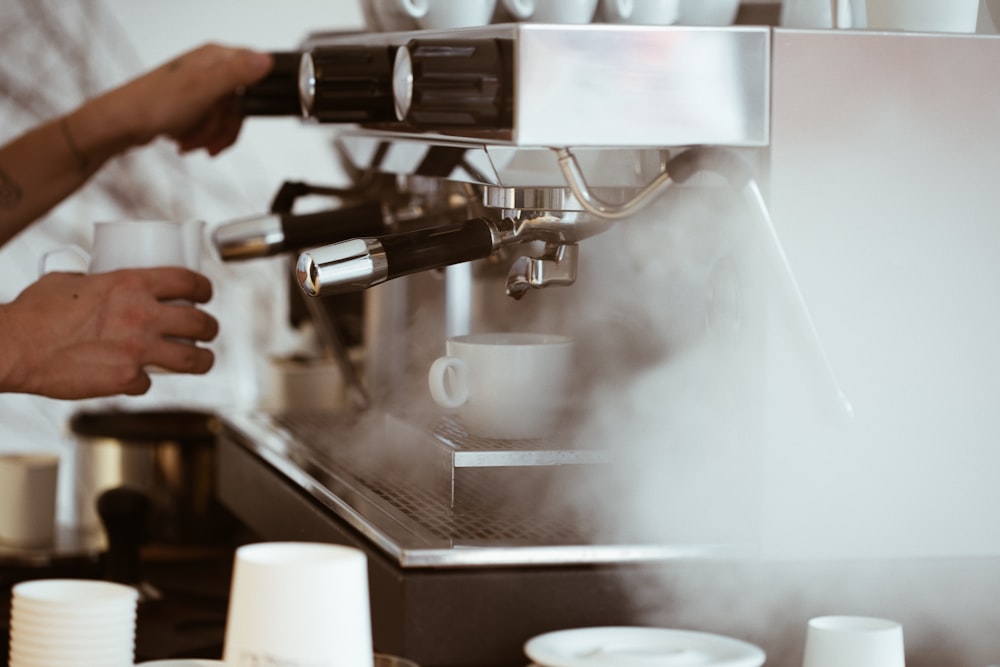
(360, 263)
(277, 94)
(274, 233)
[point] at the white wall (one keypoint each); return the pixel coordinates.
(270, 149)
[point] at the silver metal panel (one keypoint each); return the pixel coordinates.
(641, 86)
(609, 85)
(884, 162)
(625, 170)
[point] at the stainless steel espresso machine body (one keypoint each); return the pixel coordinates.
(649, 191)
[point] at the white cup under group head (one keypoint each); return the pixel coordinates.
(855, 641)
(28, 486)
(507, 386)
(552, 11)
(441, 14)
(922, 15)
(299, 603)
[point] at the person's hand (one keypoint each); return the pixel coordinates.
(192, 99)
(78, 336)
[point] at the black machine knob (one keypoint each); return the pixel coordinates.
(277, 94)
(347, 84)
(451, 83)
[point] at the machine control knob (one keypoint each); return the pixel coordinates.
(277, 93)
(454, 83)
(347, 84)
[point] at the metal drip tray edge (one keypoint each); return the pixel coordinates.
(411, 544)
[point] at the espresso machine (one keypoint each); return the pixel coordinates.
(709, 212)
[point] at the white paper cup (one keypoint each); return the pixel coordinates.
(79, 622)
(61, 595)
(299, 604)
(854, 641)
(922, 15)
(28, 487)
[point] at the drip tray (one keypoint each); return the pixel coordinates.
(478, 473)
(430, 497)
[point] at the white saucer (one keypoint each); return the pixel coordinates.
(640, 647)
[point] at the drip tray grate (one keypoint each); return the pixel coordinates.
(443, 484)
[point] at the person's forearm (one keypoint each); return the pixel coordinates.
(41, 167)
(44, 165)
(191, 100)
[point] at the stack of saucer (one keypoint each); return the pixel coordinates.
(72, 622)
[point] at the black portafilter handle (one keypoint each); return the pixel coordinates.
(360, 263)
(277, 94)
(124, 513)
(274, 233)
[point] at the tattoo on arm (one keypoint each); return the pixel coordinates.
(10, 191)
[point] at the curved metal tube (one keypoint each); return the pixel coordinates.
(592, 204)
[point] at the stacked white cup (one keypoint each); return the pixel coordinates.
(72, 622)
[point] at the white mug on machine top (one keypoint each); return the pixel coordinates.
(508, 386)
(923, 15)
(641, 12)
(552, 11)
(440, 14)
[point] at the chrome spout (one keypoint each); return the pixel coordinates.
(556, 266)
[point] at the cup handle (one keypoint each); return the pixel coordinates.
(72, 259)
(620, 10)
(521, 9)
(448, 380)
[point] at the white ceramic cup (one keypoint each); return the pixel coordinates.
(552, 11)
(508, 386)
(707, 12)
(437, 14)
(28, 488)
(922, 15)
(853, 641)
(132, 244)
(642, 12)
(299, 604)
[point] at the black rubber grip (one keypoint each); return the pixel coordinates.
(277, 94)
(437, 247)
(309, 230)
